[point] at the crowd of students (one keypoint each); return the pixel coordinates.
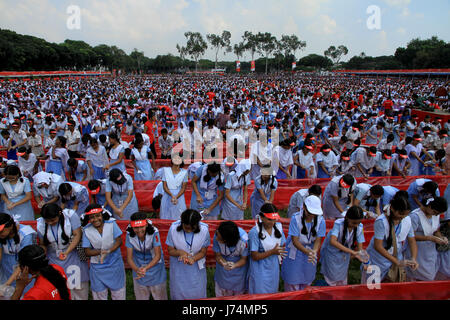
(290, 128)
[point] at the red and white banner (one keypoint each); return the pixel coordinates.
(238, 66)
(253, 66)
(294, 65)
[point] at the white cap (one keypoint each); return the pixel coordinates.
(314, 205)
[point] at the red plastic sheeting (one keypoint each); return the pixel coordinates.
(164, 225)
(286, 188)
(434, 290)
(422, 114)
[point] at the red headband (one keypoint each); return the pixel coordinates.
(138, 223)
(94, 211)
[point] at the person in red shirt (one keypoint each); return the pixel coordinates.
(148, 129)
(51, 281)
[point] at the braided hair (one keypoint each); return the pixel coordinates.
(399, 203)
(353, 213)
(50, 211)
(267, 208)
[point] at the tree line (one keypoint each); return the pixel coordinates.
(27, 53)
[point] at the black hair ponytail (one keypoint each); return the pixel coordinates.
(353, 213)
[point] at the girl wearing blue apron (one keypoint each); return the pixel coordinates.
(120, 195)
(231, 250)
(236, 192)
(60, 232)
(78, 170)
(383, 164)
(86, 124)
(306, 231)
(188, 240)
(392, 226)
(414, 150)
(284, 160)
(15, 236)
(304, 162)
(266, 242)
(265, 186)
(146, 259)
(16, 193)
(338, 195)
(116, 154)
(207, 187)
(74, 196)
(57, 158)
(343, 242)
(175, 181)
(97, 192)
(425, 224)
(422, 189)
(327, 162)
(141, 155)
(101, 243)
(368, 197)
(97, 160)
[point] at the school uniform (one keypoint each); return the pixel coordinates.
(403, 231)
(296, 271)
(256, 201)
(75, 269)
(307, 161)
(332, 189)
(389, 193)
(119, 194)
(296, 202)
(415, 164)
(284, 158)
(329, 161)
(365, 161)
(27, 236)
(53, 181)
(27, 166)
(264, 275)
(154, 281)
(111, 274)
(114, 154)
(142, 163)
(415, 189)
(235, 184)
(208, 192)
(82, 167)
(98, 161)
(57, 165)
(188, 281)
(79, 194)
(334, 262)
(366, 202)
(232, 282)
(15, 193)
(427, 255)
(174, 184)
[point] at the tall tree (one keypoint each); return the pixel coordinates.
(219, 42)
(267, 44)
(250, 43)
(336, 54)
(290, 44)
(195, 46)
(239, 49)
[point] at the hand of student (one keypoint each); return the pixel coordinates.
(199, 200)
(103, 254)
(412, 264)
(174, 200)
(205, 212)
(437, 240)
(41, 204)
(277, 250)
(243, 207)
(229, 266)
(119, 212)
(10, 205)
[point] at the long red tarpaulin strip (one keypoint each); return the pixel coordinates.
(286, 188)
(432, 290)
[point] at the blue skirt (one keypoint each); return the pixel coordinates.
(56, 167)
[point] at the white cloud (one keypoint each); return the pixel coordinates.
(324, 25)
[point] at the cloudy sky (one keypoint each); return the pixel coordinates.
(156, 26)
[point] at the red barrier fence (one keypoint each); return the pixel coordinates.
(286, 188)
(434, 290)
(164, 225)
